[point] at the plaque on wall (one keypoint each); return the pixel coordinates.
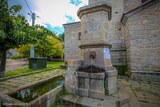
(106, 53)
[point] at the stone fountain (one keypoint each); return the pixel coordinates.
(93, 75)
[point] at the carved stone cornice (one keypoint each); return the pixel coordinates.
(100, 6)
(95, 45)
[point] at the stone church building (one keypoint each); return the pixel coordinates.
(133, 29)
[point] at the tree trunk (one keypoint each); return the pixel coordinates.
(3, 62)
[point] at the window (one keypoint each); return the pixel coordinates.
(79, 35)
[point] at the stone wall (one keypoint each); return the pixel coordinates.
(142, 32)
(115, 36)
(95, 1)
(135, 43)
(72, 42)
(131, 4)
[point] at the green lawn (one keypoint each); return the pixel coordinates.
(50, 67)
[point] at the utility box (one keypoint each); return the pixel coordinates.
(37, 62)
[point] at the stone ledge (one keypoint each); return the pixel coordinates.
(146, 76)
(91, 75)
(100, 6)
(11, 91)
(95, 45)
(24, 74)
(72, 23)
(110, 101)
(111, 73)
(146, 72)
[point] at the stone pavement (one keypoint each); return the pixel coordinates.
(125, 97)
(24, 81)
(147, 93)
(130, 94)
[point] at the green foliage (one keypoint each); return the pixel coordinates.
(24, 50)
(15, 30)
(2, 35)
(50, 66)
(61, 37)
(53, 48)
(14, 9)
(16, 57)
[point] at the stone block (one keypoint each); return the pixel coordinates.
(91, 86)
(111, 81)
(97, 94)
(82, 92)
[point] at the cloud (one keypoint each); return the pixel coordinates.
(53, 12)
(75, 2)
(69, 18)
(56, 29)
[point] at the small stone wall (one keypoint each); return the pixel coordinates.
(146, 76)
(43, 101)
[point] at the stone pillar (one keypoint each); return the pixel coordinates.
(70, 77)
(94, 31)
(31, 51)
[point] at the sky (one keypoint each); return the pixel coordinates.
(51, 13)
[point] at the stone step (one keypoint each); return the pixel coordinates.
(110, 101)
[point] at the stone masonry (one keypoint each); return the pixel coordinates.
(72, 41)
(133, 31)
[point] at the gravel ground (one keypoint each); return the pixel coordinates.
(15, 64)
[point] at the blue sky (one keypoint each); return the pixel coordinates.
(52, 13)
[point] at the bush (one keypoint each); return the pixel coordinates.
(16, 57)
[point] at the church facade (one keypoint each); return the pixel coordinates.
(133, 31)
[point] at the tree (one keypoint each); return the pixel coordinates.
(61, 37)
(15, 31)
(52, 49)
(24, 50)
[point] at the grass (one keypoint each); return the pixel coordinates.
(25, 69)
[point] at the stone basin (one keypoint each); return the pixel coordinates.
(40, 94)
(91, 85)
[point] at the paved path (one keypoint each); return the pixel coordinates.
(22, 81)
(147, 93)
(15, 64)
(130, 94)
